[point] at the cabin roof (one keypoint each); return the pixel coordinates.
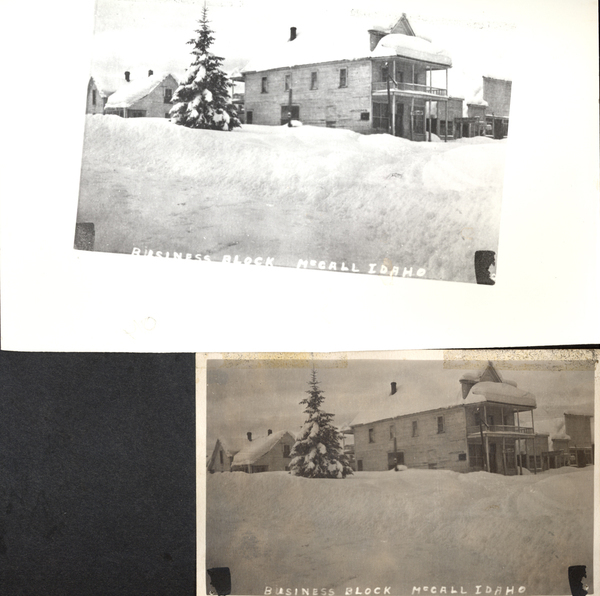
(130, 93)
(255, 449)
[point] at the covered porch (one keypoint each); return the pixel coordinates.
(403, 92)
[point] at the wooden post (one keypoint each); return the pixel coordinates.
(389, 110)
(290, 107)
(482, 444)
(487, 452)
(520, 456)
(446, 131)
(394, 99)
(504, 455)
(412, 109)
(534, 457)
(527, 454)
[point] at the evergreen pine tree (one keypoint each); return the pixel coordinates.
(317, 452)
(202, 99)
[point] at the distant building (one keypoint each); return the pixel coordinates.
(488, 110)
(149, 97)
(479, 429)
(96, 98)
(579, 429)
(371, 80)
(223, 453)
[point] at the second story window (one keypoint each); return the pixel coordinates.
(392, 431)
(263, 85)
(313, 80)
(440, 424)
(168, 95)
(343, 77)
(415, 428)
(371, 435)
(286, 451)
(288, 82)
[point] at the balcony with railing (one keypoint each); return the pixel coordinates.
(415, 89)
(500, 429)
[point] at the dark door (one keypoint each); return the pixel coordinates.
(399, 129)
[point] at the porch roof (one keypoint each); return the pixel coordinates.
(504, 393)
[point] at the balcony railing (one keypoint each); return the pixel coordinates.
(414, 87)
(500, 428)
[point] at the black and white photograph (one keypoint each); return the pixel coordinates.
(399, 473)
(350, 137)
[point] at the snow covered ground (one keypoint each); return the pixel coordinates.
(402, 530)
(329, 195)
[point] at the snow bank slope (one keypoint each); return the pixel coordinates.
(291, 193)
(414, 528)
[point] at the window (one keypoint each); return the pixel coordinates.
(221, 457)
(249, 115)
(364, 115)
(167, 115)
(137, 113)
(359, 465)
(415, 428)
(380, 115)
(392, 431)
(263, 85)
(256, 469)
(313, 80)
(286, 451)
(288, 82)
(93, 97)
(462, 457)
(384, 72)
(440, 423)
(343, 77)
(168, 95)
(432, 466)
(371, 435)
(477, 418)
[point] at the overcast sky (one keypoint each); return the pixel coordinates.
(255, 397)
(138, 35)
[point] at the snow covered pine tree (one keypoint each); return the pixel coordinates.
(317, 452)
(202, 100)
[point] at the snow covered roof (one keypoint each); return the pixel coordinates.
(130, 93)
(255, 449)
(232, 445)
(554, 427)
(581, 410)
(350, 42)
(407, 46)
(499, 390)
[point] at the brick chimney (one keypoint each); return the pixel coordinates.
(292, 33)
(394, 389)
(249, 435)
(150, 73)
(127, 73)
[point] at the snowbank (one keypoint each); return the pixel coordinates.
(420, 527)
(148, 183)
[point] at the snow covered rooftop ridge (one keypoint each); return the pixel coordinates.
(130, 93)
(502, 393)
(350, 42)
(581, 410)
(255, 449)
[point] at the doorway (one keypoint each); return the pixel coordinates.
(399, 126)
(493, 462)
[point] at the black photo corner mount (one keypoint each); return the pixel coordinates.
(484, 259)
(220, 580)
(576, 575)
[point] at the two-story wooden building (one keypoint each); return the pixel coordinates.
(372, 80)
(484, 427)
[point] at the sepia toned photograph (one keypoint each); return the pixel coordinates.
(366, 138)
(399, 473)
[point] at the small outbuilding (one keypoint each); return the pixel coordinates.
(96, 98)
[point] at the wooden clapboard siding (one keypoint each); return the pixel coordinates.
(428, 447)
(328, 103)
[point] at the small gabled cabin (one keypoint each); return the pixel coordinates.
(223, 454)
(365, 80)
(147, 97)
(96, 98)
(265, 454)
(483, 427)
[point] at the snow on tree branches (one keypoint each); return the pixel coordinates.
(202, 100)
(317, 452)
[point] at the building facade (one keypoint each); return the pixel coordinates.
(485, 428)
(382, 81)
